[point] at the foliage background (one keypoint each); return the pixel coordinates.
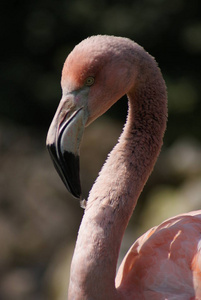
(38, 223)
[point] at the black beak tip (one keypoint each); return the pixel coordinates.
(71, 174)
(67, 166)
(75, 190)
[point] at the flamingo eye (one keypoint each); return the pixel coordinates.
(89, 81)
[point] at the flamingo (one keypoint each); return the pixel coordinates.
(165, 262)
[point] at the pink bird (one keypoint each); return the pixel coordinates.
(164, 263)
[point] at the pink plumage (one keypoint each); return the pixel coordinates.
(164, 263)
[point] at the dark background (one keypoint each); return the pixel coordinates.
(38, 218)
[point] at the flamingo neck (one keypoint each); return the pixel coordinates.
(116, 190)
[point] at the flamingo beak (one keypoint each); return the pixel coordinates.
(63, 143)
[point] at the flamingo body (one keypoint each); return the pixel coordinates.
(165, 262)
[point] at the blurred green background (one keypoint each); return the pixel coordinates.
(38, 218)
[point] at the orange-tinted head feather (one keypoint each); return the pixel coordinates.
(103, 58)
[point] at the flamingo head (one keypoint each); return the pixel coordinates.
(94, 76)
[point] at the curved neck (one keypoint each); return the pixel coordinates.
(116, 190)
